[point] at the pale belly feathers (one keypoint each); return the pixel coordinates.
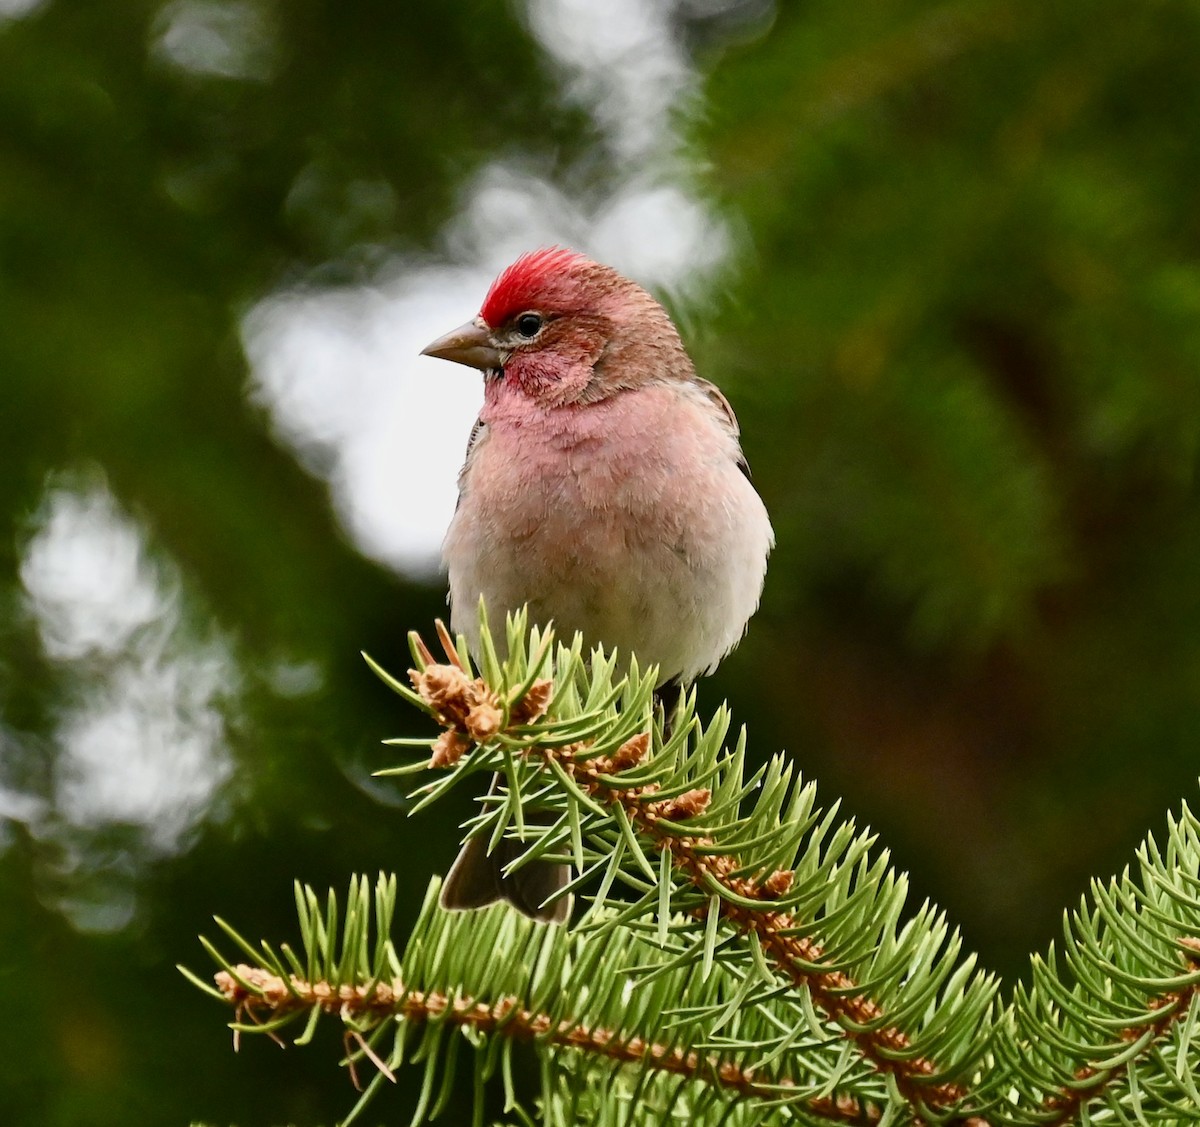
(628, 521)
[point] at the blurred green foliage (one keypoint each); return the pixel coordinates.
(961, 329)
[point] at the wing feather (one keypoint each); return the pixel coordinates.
(478, 434)
(717, 397)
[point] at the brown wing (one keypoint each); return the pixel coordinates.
(717, 398)
(478, 433)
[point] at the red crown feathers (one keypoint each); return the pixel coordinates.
(528, 282)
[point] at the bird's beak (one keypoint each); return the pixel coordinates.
(469, 344)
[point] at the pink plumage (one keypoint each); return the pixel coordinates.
(605, 490)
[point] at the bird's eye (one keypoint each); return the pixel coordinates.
(529, 324)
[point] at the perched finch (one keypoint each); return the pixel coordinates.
(604, 486)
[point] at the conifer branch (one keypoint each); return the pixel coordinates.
(1115, 1028)
(1168, 1008)
(267, 998)
(797, 957)
(499, 978)
(759, 966)
(745, 900)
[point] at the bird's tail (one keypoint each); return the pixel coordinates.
(477, 878)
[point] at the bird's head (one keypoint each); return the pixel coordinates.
(560, 328)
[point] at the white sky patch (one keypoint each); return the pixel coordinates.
(339, 371)
(145, 746)
(620, 60)
(16, 9)
(346, 389)
(214, 38)
(140, 742)
(87, 581)
(16, 806)
(662, 235)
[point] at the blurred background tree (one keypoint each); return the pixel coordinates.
(943, 258)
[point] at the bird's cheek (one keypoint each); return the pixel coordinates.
(529, 373)
(560, 385)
